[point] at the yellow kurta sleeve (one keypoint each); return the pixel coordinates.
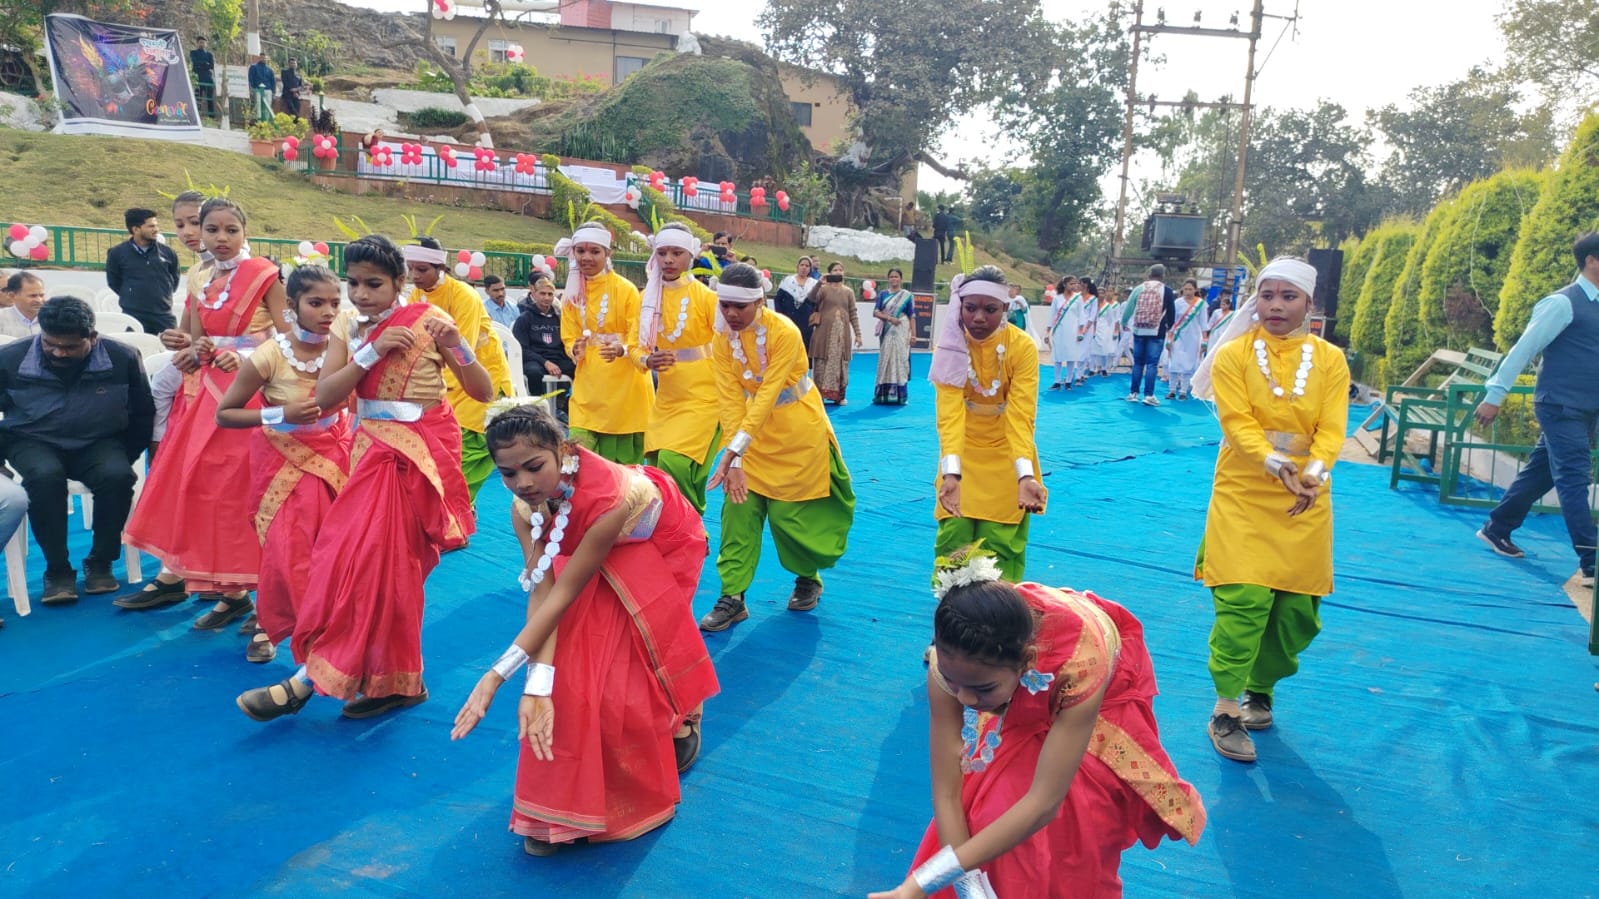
(729, 384)
(1021, 397)
(1239, 426)
(790, 435)
(571, 326)
(1332, 424)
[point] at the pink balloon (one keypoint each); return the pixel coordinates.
(292, 141)
(782, 203)
(18, 231)
(690, 190)
(464, 256)
(475, 273)
(550, 262)
(321, 247)
(39, 253)
(290, 154)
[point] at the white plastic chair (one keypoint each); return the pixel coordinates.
(513, 356)
(16, 553)
(113, 322)
(83, 293)
(148, 345)
(106, 301)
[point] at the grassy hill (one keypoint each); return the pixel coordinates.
(89, 181)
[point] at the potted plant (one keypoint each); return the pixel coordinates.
(266, 135)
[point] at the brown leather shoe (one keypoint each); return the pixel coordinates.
(729, 611)
(373, 706)
(807, 593)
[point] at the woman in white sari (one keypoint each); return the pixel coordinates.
(893, 314)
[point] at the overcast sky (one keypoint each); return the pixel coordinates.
(1363, 54)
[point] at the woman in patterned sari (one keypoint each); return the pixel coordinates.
(835, 318)
(358, 628)
(893, 314)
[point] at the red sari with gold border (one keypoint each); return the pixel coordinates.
(191, 513)
(1126, 789)
(630, 663)
(359, 622)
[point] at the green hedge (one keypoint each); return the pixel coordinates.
(1465, 269)
(1357, 259)
(436, 117)
(1407, 340)
(1541, 262)
(1391, 244)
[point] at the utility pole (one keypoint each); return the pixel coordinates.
(1235, 217)
(1118, 239)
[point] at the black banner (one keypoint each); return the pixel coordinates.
(120, 79)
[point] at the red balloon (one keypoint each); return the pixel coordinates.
(782, 203)
(474, 274)
(292, 141)
(39, 253)
(464, 256)
(690, 190)
(550, 262)
(321, 247)
(290, 154)
(18, 231)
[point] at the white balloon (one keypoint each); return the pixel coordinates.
(462, 269)
(306, 248)
(38, 234)
(18, 248)
(478, 259)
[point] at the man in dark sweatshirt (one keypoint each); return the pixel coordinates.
(144, 272)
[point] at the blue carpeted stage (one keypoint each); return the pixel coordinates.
(1441, 740)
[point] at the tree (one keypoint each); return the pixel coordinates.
(1542, 261)
(1407, 340)
(1358, 253)
(1452, 135)
(909, 67)
(992, 196)
(1391, 244)
(458, 70)
(22, 22)
(223, 17)
(1465, 268)
(1553, 44)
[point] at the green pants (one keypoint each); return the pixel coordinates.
(689, 475)
(262, 99)
(476, 463)
(1008, 542)
(1258, 636)
(623, 449)
(809, 535)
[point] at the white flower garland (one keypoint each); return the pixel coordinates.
(977, 569)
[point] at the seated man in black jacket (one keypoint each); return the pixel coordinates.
(75, 407)
(538, 330)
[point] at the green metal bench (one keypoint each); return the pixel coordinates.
(1413, 407)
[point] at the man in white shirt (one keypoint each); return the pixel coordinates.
(20, 320)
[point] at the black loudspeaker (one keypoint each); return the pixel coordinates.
(924, 265)
(1329, 265)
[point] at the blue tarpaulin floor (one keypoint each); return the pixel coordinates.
(1441, 740)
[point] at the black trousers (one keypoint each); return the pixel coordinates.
(154, 322)
(205, 97)
(101, 466)
(946, 247)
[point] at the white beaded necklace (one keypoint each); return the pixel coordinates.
(605, 306)
(736, 342)
(287, 348)
(1306, 351)
(682, 319)
(971, 371)
(227, 286)
(532, 577)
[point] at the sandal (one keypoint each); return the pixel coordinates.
(263, 704)
(228, 609)
(535, 846)
(261, 648)
(687, 748)
(373, 706)
(249, 626)
(154, 595)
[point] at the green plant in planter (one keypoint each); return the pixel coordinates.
(278, 127)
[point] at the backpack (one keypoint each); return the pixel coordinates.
(1151, 304)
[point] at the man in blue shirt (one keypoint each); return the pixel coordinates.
(263, 84)
(1565, 329)
(500, 309)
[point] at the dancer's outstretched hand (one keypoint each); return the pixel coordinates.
(906, 890)
(536, 725)
(477, 705)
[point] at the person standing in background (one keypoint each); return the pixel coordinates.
(263, 84)
(203, 65)
(144, 272)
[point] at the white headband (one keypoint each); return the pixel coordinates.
(982, 288)
(592, 234)
(654, 286)
(1297, 272)
(734, 294)
(418, 253)
(672, 237)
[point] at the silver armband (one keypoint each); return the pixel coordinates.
(1275, 463)
(272, 415)
(738, 462)
(367, 356)
(938, 872)
(1024, 469)
(1317, 469)
(512, 659)
(740, 442)
(540, 680)
(950, 465)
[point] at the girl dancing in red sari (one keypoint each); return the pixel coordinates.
(1046, 760)
(616, 568)
(299, 457)
(191, 514)
(358, 625)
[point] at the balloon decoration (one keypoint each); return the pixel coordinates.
(469, 265)
(291, 148)
(515, 53)
(757, 198)
(782, 200)
(550, 262)
(868, 290)
(410, 154)
(444, 9)
(633, 195)
(382, 156)
(324, 146)
(658, 180)
(729, 192)
(28, 243)
(691, 186)
(485, 160)
(526, 163)
(447, 156)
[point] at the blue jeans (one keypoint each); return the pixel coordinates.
(1146, 362)
(1561, 460)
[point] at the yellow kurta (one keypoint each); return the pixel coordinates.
(989, 433)
(607, 397)
(1249, 537)
(685, 415)
(787, 459)
(458, 300)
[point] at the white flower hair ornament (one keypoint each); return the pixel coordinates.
(975, 567)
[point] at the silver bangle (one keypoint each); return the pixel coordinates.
(272, 415)
(740, 443)
(1275, 463)
(938, 872)
(509, 661)
(463, 354)
(950, 465)
(738, 462)
(367, 356)
(1024, 469)
(540, 680)
(974, 885)
(1317, 469)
